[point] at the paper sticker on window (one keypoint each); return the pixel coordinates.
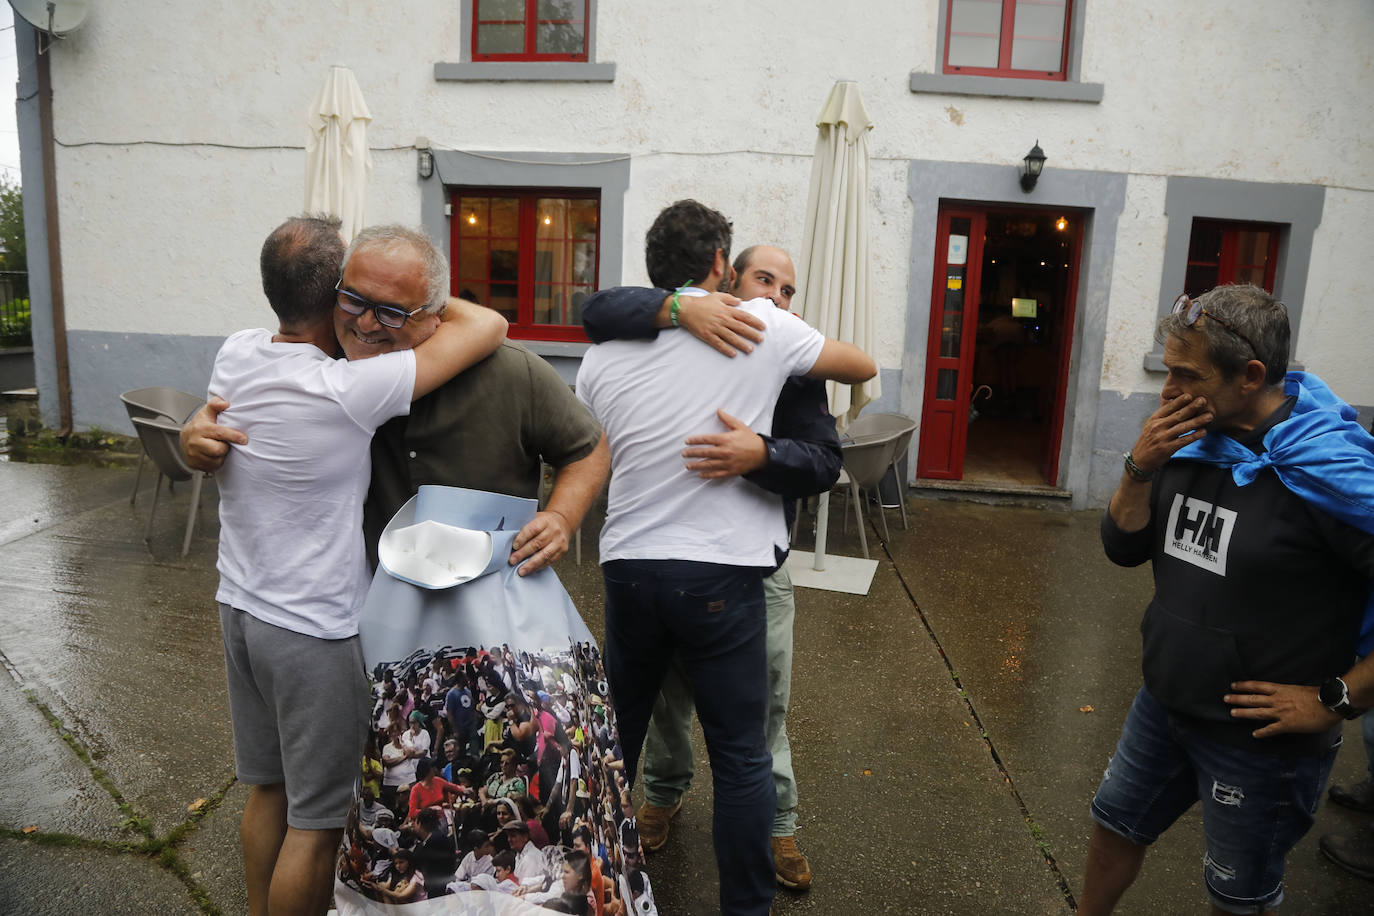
(954, 283)
(958, 249)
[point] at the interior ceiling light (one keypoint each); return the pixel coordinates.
(1061, 224)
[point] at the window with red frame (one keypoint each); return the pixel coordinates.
(1221, 253)
(529, 29)
(1025, 39)
(531, 255)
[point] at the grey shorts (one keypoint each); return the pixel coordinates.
(300, 708)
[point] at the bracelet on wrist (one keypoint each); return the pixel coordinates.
(1135, 470)
(676, 306)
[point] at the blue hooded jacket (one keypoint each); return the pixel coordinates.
(1320, 453)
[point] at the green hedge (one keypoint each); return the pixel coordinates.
(16, 324)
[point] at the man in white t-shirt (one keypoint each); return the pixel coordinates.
(293, 571)
(684, 557)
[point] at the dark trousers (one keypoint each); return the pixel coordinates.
(711, 617)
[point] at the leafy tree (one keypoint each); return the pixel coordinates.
(13, 257)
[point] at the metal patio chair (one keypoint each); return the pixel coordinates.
(161, 439)
(150, 403)
(882, 424)
(866, 460)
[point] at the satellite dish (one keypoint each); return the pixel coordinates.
(56, 18)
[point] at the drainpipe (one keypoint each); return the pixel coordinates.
(59, 310)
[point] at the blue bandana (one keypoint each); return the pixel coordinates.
(1320, 453)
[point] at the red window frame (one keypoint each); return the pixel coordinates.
(1227, 261)
(524, 327)
(531, 22)
(1005, 37)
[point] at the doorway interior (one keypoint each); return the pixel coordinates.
(1002, 319)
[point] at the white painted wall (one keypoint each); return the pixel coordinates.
(181, 127)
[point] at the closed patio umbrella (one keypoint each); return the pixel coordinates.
(337, 162)
(833, 294)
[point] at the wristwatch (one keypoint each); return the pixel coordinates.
(1335, 696)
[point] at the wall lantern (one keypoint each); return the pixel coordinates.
(424, 161)
(1032, 166)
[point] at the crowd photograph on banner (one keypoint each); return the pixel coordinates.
(488, 771)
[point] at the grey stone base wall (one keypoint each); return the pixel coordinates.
(105, 364)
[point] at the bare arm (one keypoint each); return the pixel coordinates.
(546, 537)
(468, 334)
(843, 362)
(1175, 424)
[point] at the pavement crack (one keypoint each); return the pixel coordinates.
(133, 820)
(1036, 833)
(162, 850)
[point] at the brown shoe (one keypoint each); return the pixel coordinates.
(1355, 854)
(793, 871)
(1359, 796)
(652, 822)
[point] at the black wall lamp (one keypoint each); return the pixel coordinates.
(1032, 166)
(424, 161)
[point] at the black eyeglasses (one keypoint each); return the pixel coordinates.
(1191, 310)
(388, 316)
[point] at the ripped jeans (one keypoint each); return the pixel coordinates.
(1255, 806)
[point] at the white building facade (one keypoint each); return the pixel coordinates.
(1187, 144)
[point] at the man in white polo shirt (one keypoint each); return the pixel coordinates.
(293, 571)
(684, 557)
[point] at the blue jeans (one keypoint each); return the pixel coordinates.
(668, 764)
(710, 616)
(1255, 806)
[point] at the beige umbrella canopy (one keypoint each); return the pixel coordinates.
(337, 162)
(833, 294)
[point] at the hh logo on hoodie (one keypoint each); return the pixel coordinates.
(1199, 533)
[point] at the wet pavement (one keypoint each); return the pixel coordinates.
(948, 729)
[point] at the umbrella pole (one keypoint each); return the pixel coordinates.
(822, 523)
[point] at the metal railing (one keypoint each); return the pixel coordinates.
(15, 322)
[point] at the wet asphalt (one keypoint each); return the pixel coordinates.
(948, 729)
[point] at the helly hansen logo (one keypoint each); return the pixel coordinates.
(1199, 533)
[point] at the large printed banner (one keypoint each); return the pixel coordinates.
(492, 782)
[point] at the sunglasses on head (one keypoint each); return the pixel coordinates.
(388, 316)
(1191, 309)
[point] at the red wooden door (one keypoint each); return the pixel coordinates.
(950, 344)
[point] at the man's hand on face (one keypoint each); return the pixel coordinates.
(729, 454)
(204, 443)
(1178, 422)
(714, 319)
(541, 542)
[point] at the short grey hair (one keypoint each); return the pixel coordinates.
(392, 235)
(1254, 313)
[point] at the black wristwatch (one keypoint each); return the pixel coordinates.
(1335, 696)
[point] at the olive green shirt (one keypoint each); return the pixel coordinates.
(486, 429)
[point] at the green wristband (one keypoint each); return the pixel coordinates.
(676, 306)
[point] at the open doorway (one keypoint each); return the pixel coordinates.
(1001, 335)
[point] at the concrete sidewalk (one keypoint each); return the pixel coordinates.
(938, 725)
